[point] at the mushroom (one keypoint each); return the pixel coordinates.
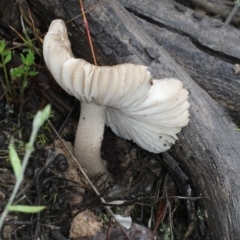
(125, 97)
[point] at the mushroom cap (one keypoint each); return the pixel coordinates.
(149, 112)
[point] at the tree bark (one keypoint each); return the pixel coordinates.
(208, 148)
(205, 48)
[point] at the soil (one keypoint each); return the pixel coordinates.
(149, 187)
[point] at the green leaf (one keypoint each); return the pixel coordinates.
(2, 46)
(8, 57)
(29, 146)
(26, 209)
(24, 59)
(15, 161)
(32, 73)
(26, 68)
(25, 84)
(29, 59)
(6, 52)
(41, 117)
(16, 72)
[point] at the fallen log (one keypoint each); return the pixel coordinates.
(205, 48)
(208, 149)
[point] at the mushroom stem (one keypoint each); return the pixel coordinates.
(89, 138)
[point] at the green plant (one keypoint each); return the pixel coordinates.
(42, 137)
(18, 75)
(24, 71)
(19, 167)
(166, 230)
(6, 57)
(41, 140)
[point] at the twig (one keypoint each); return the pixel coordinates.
(233, 12)
(88, 32)
(89, 181)
(89, 10)
(41, 35)
(216, 7)
(50, 158)
(66, 119)
(27, 41)
(170, 218)
(52, 227)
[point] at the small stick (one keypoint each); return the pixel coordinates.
(233, 12)
(89, 10)
(88, 33)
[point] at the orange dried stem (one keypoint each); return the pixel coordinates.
(88, 32)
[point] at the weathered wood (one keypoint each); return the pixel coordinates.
(208, 50)
(208, 149)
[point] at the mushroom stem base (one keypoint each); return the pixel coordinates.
(89, 137)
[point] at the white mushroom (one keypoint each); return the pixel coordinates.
(125, 97)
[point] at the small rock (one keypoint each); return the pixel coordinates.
(85, 224)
